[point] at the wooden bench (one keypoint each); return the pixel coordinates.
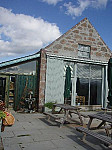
(102, 138)
(53, 117)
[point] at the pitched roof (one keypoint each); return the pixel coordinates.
(82, 33)
(14, 62)
(74, 28)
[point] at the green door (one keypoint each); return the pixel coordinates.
(24, 84)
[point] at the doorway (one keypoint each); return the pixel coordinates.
(89, 83)
(4, 89)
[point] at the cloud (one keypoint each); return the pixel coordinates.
(76, 11)
(99, 3)
(20, 34)
(52, 2)
(79, 8)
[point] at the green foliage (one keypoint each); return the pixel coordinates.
(2, 115)
(49, 105)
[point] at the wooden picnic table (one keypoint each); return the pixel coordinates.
(104, 117)
(68, 110)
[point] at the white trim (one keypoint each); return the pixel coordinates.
(73, 103)
(102, 87)
(106, 86)
(89, 86)
(80, 60)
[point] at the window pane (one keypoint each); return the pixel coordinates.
(80, 54)
(82, 88)
(80, 47)
(96, 71)
(86, 55)
(95, 92)
(26, 68)
(83, 70)
(84, 51)
(86, 48)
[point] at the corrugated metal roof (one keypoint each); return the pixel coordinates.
(19, 60)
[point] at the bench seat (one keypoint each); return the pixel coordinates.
(83, 115)
(102, 138)
(60, 120)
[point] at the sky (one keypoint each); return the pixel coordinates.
(26, 26)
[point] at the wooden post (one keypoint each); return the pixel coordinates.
(89, 123)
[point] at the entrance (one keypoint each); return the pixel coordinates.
(4, 89)
(89, 84)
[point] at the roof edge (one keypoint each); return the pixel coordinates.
(19, 60)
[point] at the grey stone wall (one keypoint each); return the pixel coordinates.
(82, 33)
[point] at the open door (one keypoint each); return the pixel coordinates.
(4, 89)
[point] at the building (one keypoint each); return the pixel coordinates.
(84, 51)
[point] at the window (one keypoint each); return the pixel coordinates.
(89, 83)
(83, 51)
(25, 68)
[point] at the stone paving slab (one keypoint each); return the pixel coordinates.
(33, 132)
(1, 144)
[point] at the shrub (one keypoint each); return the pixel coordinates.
(49, 105)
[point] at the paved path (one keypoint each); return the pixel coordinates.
(32, 132)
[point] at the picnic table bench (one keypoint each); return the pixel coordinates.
(53, 117)
(67, 116)
(68, 110)
(102, 138)
(104, 118)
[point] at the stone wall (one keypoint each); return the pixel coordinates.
(82, 33)
(42, 80)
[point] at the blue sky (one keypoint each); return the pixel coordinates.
(26, 26)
